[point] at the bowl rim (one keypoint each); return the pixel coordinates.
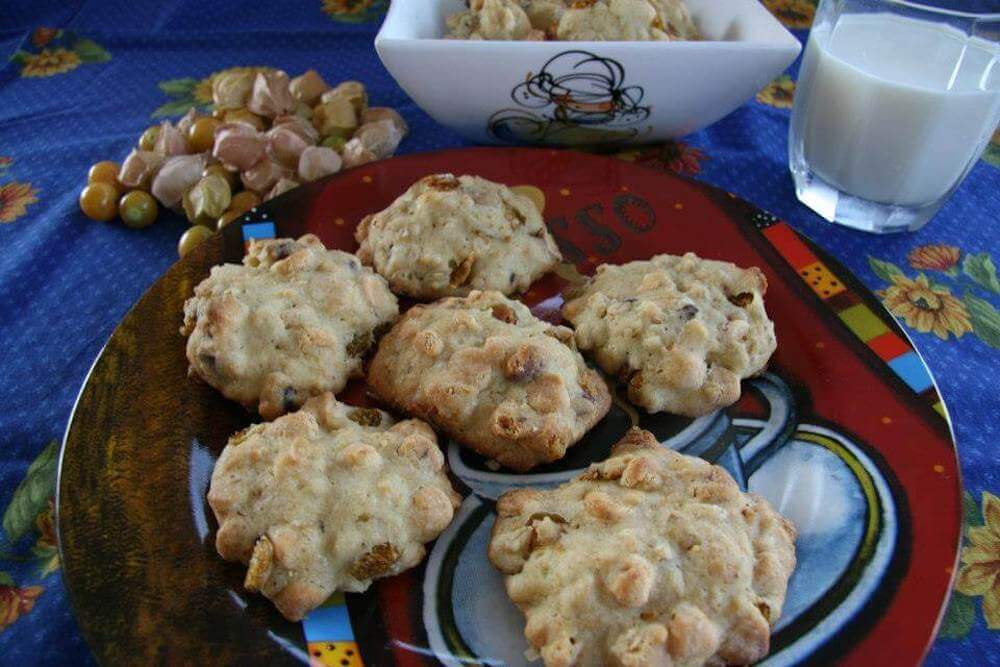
(784, 39)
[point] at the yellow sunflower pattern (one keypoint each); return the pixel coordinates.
(794, 14)
(354, 11)
(15, 198)
(930, 302)
(980, 572)
(926, 307)
(49, 63)
(58, 52)
(779, 93)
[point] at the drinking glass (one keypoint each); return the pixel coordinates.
(894, 104)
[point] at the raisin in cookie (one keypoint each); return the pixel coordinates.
(648, 558)
(681, 332)
(327, 499)
(491, 375)
(292, 321)
(448, 235)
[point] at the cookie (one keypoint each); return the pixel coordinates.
(680, 332)
(327, 499)
(493, 19)
(491, 375)
(612, 20)
(448, 235)
(648, 558)
(292, 321)
(574, 20)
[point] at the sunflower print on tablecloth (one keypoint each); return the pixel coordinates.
(51, 52)
(926, 307)
(673, 156)
(354, 11)
(188, 92)
(794, 14)
(15, 602)
(957, 298)
(29, 511)
(780, 93)
(15, 198)
(980, 573)
(979, 569)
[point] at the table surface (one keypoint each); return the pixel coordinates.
(81, 80)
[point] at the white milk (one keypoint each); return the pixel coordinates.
(894, 109)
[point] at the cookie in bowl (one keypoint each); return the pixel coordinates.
(680, 331)
(292, 321)
(650, 557)
(327, 499)
(574, 20)
(492, 376)
(448, 235)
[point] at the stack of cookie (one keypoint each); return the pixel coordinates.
(650, 557)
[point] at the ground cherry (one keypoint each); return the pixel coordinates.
(99, 201)
(244, 201)
(192, 238)
(104, 171)
(201, 135)
(240, 204)
(137, 209)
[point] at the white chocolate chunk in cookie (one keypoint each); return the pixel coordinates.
(487, 372)
(448, 235)
(687, 570)
(327, 499)
(681, 332)
(292, 321)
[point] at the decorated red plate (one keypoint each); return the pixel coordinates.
(845, 434)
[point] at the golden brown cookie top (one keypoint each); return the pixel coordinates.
(650, 557)
(328, 498)
(448, 235)
(680, 331)
(292, 321)
(486, 371)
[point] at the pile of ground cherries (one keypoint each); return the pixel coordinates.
(265, 135)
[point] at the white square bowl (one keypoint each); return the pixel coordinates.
(583, 93)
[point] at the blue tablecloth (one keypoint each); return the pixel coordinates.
(81, 80)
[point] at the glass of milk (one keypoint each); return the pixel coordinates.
(894, 104)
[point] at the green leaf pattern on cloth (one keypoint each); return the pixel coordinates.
(31, 495)
(90, 51)
(980, 268)
(50, 52)
(985, 319)
(884, 270)
(30, 507)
